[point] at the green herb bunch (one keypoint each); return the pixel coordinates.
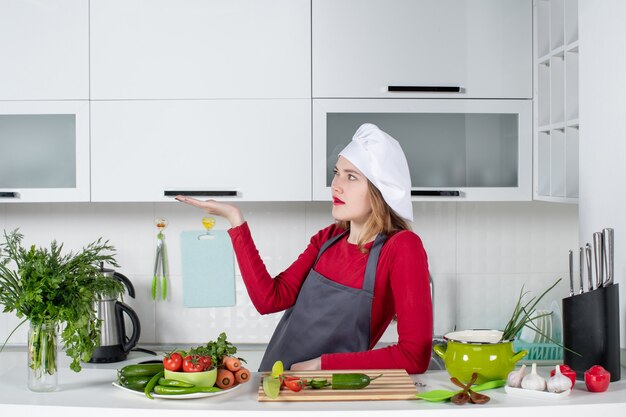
(45, 286)
(524, 315)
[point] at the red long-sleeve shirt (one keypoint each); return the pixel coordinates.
(402, 288)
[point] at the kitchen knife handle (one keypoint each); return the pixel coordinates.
(423, 89)
(571, 273)
(435, 193)
(581, 268)
(598, 255)
(197, 193)
(589, 267)
(609, 260)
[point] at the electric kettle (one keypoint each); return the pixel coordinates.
(114, 344)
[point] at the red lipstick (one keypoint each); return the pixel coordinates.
(337, 201)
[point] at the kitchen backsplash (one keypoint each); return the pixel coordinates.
(480, 255)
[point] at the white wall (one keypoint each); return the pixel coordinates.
(602, 129)
(480, 255)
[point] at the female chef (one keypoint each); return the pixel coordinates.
(355, 275)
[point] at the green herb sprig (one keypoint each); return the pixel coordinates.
(44, 285)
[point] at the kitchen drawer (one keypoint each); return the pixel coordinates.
(257, 149)
(362, 47)
(194, 49)
(457, 150)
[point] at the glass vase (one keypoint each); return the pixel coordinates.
(42, 357)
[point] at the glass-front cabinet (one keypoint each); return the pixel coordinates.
(457, 150)
(44, 147)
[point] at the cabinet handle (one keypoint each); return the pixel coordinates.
(423, 88)
(435, 193)
(205, 193)
(9, 194)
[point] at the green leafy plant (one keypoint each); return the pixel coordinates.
(46, 287)
(524, 314)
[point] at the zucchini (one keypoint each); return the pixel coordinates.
(351, 381)
(146, 369)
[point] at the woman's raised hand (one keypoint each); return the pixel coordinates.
(228, 211)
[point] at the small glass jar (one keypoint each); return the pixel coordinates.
(42, 357)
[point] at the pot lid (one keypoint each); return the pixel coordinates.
(475, 336)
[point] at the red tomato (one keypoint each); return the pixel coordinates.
(294, 384)
(192, 364)
(173, 361)
(597, 379)
(205, 361)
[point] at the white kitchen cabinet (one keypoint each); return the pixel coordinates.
(260, 150)
(363, 47)
(45, 151)
(194, 49)
(556, 127)
(457, 150)
(44, 48)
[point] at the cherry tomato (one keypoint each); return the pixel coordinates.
(597, 379)
(192, 364)
(205, 361)
(568, 372)
(294, 384)
(173, 361)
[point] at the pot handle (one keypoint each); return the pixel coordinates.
(519, 355)
(122, 308)
(440, 350)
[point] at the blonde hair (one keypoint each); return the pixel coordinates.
(382, 220)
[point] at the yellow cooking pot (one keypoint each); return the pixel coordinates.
(479, 351)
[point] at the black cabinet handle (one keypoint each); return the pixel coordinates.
(9, 194)
(423, 89)
(205, 193)
(435, 193)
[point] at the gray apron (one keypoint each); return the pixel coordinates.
(327, 317)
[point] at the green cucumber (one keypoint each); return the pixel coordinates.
(351, 381)
(146, 369)
(136, 383)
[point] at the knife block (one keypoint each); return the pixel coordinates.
(591, 328)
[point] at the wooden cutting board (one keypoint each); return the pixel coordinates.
(395, 384)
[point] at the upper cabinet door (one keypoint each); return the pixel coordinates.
(190, 49)
(363, 47)
(44, 49)
(238, 150)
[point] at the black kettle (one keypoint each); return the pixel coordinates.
(114, 344)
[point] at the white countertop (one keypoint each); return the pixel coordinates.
(90, 393)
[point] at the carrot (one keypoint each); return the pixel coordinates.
(225, 378)
(232, 364)
(242, 375)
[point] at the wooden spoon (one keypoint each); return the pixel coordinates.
(463, 396)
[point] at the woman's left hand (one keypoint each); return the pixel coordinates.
(310, 365)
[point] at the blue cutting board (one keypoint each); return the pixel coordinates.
(208, 269)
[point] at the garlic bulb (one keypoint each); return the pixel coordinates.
(559, 382)
(515, 377)
(534, 381)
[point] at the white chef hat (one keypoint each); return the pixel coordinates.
(381, 159)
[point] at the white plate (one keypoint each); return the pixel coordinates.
(541, 395)
(179, 397)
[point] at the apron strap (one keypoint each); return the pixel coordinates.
(327, 244)
(372, 262)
